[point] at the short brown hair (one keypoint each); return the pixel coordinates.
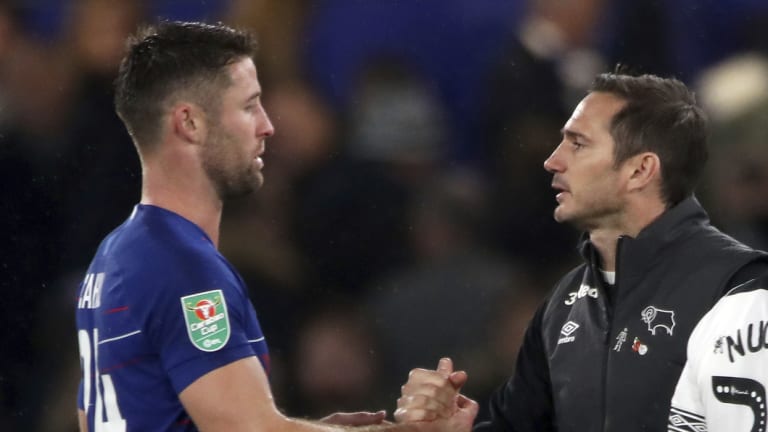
(661, 116)
(174, 58)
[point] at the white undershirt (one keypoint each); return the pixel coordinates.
(609, 277)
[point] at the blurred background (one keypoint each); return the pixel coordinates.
(406, 214)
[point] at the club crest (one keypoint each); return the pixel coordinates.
(207, 320)
(658, 318)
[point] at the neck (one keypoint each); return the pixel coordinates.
(182, 187)
(605, 242)
(605, 239)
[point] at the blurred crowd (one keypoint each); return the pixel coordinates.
(406, 214)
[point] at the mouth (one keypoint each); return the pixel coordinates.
(258, 160)
(561, 188)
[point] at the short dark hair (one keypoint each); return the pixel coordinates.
(175, 58)
(661, 116)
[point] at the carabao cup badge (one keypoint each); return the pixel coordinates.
(207, 320)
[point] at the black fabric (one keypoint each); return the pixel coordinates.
(509, 412)
(760, 283)
(745, 274)
(590, 364)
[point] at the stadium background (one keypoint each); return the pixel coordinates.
(406, 214)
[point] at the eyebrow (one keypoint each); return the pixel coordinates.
(255, 95)
(573, 134)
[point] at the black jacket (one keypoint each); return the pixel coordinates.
(601, 358)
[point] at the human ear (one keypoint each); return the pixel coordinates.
(188, 122)
(644, 168)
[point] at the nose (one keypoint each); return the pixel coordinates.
(267, 129)
(554, 164)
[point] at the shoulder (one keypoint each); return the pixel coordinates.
(159, 252)
(570, 288)
(755, 287)
(709, 251)
(570, 281)
(745, 303)
(710, 240)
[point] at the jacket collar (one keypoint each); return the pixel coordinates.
(653, 238)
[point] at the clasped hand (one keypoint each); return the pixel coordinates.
(431, 395)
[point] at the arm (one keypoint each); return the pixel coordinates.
(524, 403)
(82, 421)
(686, 407)
(699, 403)
(237, 398)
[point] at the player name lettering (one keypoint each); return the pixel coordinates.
(90, 292)
(204, 325)
(756, 340)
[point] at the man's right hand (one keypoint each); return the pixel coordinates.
(434, 394)
(461, 420)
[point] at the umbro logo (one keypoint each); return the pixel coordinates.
(568, 329)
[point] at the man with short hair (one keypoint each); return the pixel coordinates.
(168, 337)
(603, 352)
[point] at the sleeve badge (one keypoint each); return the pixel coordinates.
(207, 320)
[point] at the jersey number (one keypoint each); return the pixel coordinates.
(742, 391)
(106, 401)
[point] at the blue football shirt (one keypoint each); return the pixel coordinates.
(159, 307)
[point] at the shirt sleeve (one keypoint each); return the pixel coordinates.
(722, 387)
(80, 395)
(524, 403)
(687, 411)
(687, 407)
(201, 322)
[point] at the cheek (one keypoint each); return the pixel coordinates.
(237, 121)
(596, 182)
(247, 125)
(606, 187)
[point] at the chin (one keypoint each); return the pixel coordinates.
(253, 186)
(574, 220)
(243, 189)
(258, 181)
(252, 182)
(560, 215)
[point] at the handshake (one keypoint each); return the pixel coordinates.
(433, 395)
(430, 402)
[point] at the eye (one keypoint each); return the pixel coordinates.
(577, 145)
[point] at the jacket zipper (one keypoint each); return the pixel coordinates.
(609, 309)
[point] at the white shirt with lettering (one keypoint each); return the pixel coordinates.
(723, 384)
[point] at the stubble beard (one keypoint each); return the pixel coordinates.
(232, 178)
(590, 216)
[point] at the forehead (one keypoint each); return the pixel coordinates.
(243, 77)
(594, 112)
